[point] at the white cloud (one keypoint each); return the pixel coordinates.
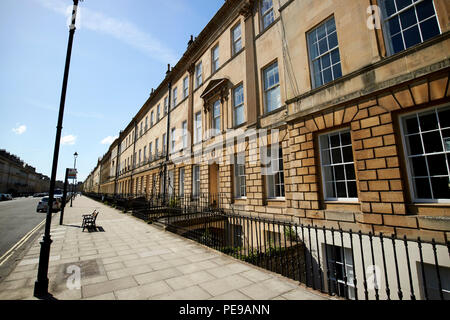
(122, 30)
(68, 140)
(20, 129)
(108, 140)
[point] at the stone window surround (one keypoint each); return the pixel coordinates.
(269, 11)
(281, 186)
(342, 163)
(384, 33)
(320, 55)
(264, 90)
(215, 64)
(237, 180)
(241, 84)
(199, 75)
(235, 41)
(407, 164)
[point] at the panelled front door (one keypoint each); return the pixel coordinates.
(213, 184)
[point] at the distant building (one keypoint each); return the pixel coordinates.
(17, 177)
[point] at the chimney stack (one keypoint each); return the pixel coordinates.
(191, 41)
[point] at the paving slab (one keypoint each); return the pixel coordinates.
(223, 285)
(267, 289)
(144, 292)
(191, 293)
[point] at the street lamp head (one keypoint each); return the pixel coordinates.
(75, 154)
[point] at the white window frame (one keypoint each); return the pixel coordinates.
(215, 60)
(385, 20)
(171, 183)
(240, 179)
(216, 118)
(185, 87)
(198, 134)
(152, 117)
(409, 169)
(198, 75)
(196, 181)
(173, 140)
(432, 284)
(239, 106)
(237, 40)
(164, 144)
(268, 12)
(158, 112)
(184, 138)
(150, 146)
(275, 86)
(174, 97)
(166, 105)
(161, 184)
(182, 176)
(321, 55)
(322, 165)
(271, 177)
(346, 253)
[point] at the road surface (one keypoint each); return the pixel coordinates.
(17, 218)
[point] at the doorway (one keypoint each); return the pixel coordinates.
(213, 178)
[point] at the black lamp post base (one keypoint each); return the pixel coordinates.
(41, 289)
(41, 284)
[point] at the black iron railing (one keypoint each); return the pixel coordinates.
(336, 262)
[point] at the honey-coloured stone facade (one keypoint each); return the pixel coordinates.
(376, 89)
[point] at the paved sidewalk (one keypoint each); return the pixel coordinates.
(130, 259)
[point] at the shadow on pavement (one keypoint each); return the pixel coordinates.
(47, 297)
(72, 226)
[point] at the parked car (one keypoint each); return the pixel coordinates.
(43, 205)
(5, 197)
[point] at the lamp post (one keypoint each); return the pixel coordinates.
(75, 155)
(169, 87)
(41, 284)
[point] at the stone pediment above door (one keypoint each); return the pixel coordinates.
(216, 89)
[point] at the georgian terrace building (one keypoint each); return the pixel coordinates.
(350, 100)
(17, 177)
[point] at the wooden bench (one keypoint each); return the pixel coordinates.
(89, 220)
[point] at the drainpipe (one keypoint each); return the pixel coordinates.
(116, 175)
(99, 177)
(169, 86)
(132, 157)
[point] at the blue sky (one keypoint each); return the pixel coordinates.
(121, 50)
